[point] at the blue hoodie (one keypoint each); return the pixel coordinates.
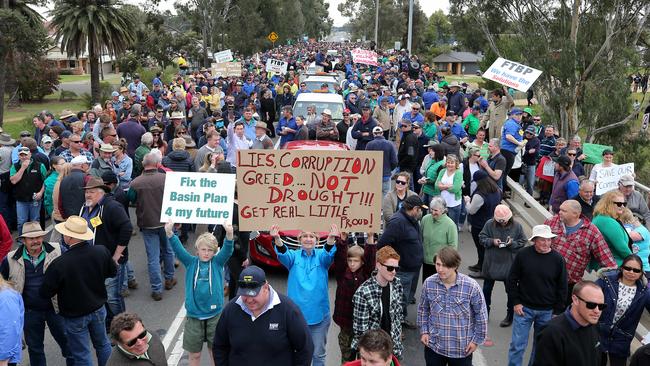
(203, 280)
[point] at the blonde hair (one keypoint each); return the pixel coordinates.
(207, 240)
(627, 217)
(356, 251)
(606, 204)
(178, 144)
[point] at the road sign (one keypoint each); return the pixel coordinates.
(273, 37)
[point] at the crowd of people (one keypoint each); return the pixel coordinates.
(447, 150)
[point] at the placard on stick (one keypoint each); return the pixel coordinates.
(309, 189)
(198, 198)
(512, 74)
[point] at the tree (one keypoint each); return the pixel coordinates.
(318, 24)
(93, 26)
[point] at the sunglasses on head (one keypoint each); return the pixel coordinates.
(630, 269)
(402, 182)
(592, 305)
(620, 204)
(132, 342)
(390, 268)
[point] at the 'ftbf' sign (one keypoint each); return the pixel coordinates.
(512, 74)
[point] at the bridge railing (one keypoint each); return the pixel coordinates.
(532, 213)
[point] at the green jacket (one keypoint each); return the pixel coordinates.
(473, 122)
(457, 189)
(615, 236)
(430, 130)
(437, 234)
(431, 173)
(140, 152)
(49, 183)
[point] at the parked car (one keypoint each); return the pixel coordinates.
(261, 249)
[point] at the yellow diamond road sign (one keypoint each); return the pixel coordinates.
(273, 37)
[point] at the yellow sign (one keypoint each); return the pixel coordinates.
(272, 37)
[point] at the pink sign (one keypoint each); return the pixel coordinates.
(360, 56)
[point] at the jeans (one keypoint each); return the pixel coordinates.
(463, 213)
(431, 358)
(7, 209)
(407, 279)
(26, 212)
(79, 329)
(130, 275)
(520, 328)
(510, 160)
(115, 302)
(527, 178)
(34, 329)
(385, 186)
(488, 286)
(480, 249)
(319, 337)
(157, 245)
(454, 214)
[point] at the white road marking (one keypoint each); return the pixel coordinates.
(478, 359)
(173, 329)
(177, 352)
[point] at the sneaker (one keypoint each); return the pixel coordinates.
(476, 274)
(408, 325)
(412, 301)
(169, 284)
(474, 268)
(125, 292)
(157, 296)
(133, 284)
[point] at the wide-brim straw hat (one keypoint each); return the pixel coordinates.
(75, 227)
(32, 230)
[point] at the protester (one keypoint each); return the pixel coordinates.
(239, 340)
(394, 199)
(179, 159)
(608, 162)
(586, 198)
(28, 178)
(438, 231)
(450, 183)
(12, 315)
(377, 303)
(433, 163)
(607, 215)
(146, 143)
(134, 343)
(262, 140)
(375, 348)
(634, 199)
(452, 333)
(389, 154)
(480, 209)
(500, 104)
(640, 236)
(572, 338)
(495, 165)
(565, 183)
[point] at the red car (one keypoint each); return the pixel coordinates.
(261, 249)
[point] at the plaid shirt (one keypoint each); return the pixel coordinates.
(367, 311)
(348, 282)
(452, 317)
(67, 155)
(578, 248)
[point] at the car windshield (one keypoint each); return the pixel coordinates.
(300, 109)
(316, 85)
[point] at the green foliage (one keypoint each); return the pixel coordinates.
(67, 94)
(148, 74)
(35, 78)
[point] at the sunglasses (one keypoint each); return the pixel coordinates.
(404, 126)
(132, 342)
(416, 109)
(630, 269)
(249, 284)
(75, 141)
(390, 268)
(401, 182)
(592, 305)
(155, 134)
(621, 204)
(571, 154)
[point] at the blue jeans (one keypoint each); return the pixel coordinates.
(157, 246)
(115, 302)
(527, 178)
(319, 337)
(26, 212)
(385, 186)
(79, 329)
(35, 335)
(431, 358)
(520, 328)
(130, 275)
(407, 279)
(454, 214)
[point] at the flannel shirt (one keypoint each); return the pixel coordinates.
(348, 282)
(452, 317)
(367, 311)
(67, 155)
(578, 248)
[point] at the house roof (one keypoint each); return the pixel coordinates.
(458, 57)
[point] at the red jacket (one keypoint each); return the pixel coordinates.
(5, 239)
(358, 362)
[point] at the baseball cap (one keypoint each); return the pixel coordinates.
(563, 160)
(23, 150)
(81, 159)
(414, 201)
(46, 139)
(516, 111)
(115, 94)
(626, 180)
(530, 129)
(251, 280)
(377, 129)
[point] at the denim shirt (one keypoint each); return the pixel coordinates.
(308, 282)
(126, 166)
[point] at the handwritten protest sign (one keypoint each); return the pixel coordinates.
(276, 66)
(309, 189)
(226, 69)
(360, 56)
(198, 198)
(512, 74)
(223, 56)
(594, 152)
(607, 178)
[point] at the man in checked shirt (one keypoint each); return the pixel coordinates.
(452, 316)
(578, 240)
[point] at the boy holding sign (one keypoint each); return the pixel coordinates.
(203, 287)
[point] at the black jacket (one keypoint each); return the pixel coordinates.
(407, 155)
(179, 161)
(403, 234)
(77, 277)
(115, 228)
(451, 145)
(71, 193)
(561, 344)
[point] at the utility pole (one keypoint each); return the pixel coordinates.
(410, 33)
(377, 25)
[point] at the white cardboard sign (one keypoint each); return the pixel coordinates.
(365, 57)
(607, 178)
(512, 74)
(276, 66)
(223, 56)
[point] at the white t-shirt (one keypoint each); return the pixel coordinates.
(450, 198)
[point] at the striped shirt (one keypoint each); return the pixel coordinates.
(452, 317)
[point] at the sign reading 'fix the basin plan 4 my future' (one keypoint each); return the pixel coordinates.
(512, 74)
(198, 198)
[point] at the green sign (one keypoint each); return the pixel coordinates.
(594, 152)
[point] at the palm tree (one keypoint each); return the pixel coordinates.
(95, 26)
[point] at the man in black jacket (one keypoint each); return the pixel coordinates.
(71, 197)
(112, 228)
(261, 327)
(403, 234)
(572, 338)
(407, 154)
(77, 278)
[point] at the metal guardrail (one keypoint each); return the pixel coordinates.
(532, 213)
